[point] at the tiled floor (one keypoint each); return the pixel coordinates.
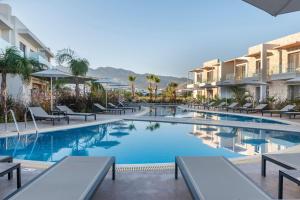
(160, 184)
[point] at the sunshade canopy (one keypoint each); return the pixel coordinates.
(276, 7)
(51, 73)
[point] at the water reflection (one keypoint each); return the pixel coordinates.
(153, 126)
(244, 140)
(173, 111)
(131, 142)
(53, 146)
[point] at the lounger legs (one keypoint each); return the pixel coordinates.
(280, 186)
(114, 171)
(176, 170)
(263, 166)
(18, 177)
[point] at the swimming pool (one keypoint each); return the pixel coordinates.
(136, 142)
(174, 111)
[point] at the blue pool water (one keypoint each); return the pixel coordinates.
(173, 111)
(144, 142)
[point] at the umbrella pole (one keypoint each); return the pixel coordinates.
(106, 98)
(51, 98)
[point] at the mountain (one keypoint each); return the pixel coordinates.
(121, 75)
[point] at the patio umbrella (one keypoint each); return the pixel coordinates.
(276, 7)
(51, 73)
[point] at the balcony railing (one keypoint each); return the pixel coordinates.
(40, 57)
(293, 69)
(4, 44)
(229, 77)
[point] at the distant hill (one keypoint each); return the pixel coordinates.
(121, 75)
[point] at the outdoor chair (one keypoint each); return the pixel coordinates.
(216, 178)
(40, 114)
(99, 108)
(292, 113)
(285, 160)
(72, 178)
(220, 106)
(285, 109)
(245, 106)
(123, 107)
(134, 105)
(209, 105)
(258, 108)
(69, 112)
(231, 106)
(8, 159)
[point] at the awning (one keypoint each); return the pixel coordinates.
(294, 81)
(289, 45)
(197, 70)
(257, 54)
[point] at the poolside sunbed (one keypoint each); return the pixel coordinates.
(40, 114)
(258, 108)
(285, 160)
(216, 178)
(221, 105)
(123, 107)
(245, 106)
(6, 159)
(293, 113)
(209, 105)
(232, 106)
(72, 178)
(68, 111)
(287, 108)
(100, 108)
(122, 104)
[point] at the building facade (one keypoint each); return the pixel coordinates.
(14, 33)
(270, 69)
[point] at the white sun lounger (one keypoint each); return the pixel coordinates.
(214, 178)
(70, 179)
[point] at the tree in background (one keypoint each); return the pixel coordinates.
(156, 81)
(132, 79)
(11, 62)
(150, 79)
(240, 95)
(171, 91)
(78, 66)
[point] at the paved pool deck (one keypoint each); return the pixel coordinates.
(160, 184)
(156, 183)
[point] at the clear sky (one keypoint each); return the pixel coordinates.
(167, 37)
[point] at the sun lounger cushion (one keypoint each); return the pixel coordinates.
(217, 178)
(72, 178)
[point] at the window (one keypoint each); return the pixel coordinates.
(210, 76)
(199, 78)
(23, 48)
(258, 67)
(293, 62)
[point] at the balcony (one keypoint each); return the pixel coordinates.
(4, 44)
(229, 77)
(40, 57)
(289, 74)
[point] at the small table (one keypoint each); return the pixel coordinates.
(8, 168)
(292, 175)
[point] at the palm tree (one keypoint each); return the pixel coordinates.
(11, 62)
(132, 79)
(156, 81)
(78, 66)
(172, 90)
(150, 79)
